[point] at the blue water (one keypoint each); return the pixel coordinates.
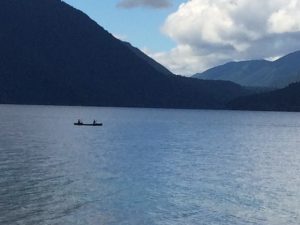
(148, 166)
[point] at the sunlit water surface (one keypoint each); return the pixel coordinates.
(148, 166)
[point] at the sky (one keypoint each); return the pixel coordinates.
(190, 36)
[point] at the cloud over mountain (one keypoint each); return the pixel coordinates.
(144, 3)
(211, 32)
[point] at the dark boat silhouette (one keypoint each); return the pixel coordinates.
(94, 124)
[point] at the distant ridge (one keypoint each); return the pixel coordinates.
(286, 99)
(51, 53)
(258, 73)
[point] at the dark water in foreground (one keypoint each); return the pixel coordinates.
(148, 166)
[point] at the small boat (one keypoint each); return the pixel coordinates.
(94, 124)
(88, 124)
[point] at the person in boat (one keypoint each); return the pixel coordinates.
(94, 122)
(79, 122)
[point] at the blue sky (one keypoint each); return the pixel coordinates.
(140, 26)
(200, 34)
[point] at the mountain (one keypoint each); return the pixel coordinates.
(160, 68)
(258, 73)
(51, 53)
(286, 99)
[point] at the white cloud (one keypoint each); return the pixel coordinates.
(121, 37)
(287, 19)
(211, 32)
(186, 60)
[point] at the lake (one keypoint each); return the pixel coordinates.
(148, 166)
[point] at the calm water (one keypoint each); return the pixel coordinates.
(148, 166)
